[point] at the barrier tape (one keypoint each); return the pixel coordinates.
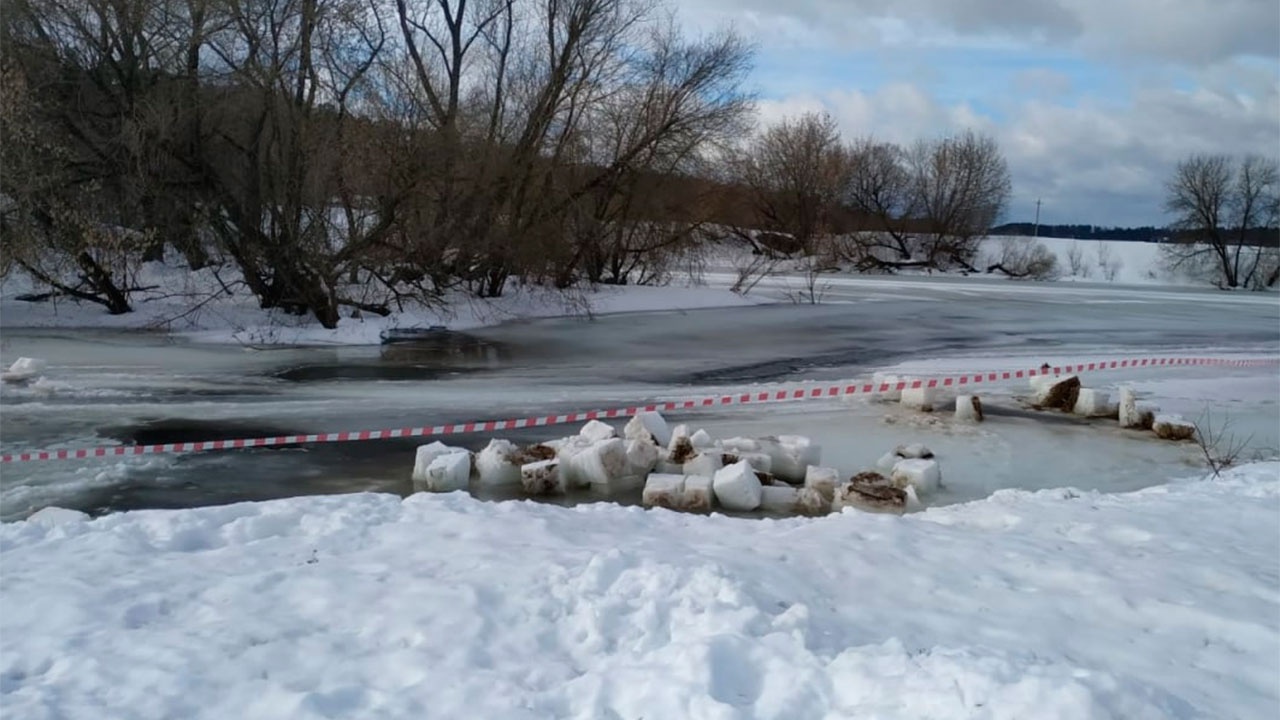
(838, 389)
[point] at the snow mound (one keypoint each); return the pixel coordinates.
(1053, 604)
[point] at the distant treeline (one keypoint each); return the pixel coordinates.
(1086, 232)
(1254, 236)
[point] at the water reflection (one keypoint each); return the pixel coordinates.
(428, 355)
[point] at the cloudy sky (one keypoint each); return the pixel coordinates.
(1093, 101)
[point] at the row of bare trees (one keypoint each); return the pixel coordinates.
(924, 205)
(324, 144)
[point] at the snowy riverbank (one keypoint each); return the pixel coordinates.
(197, 306)
(1056, 604)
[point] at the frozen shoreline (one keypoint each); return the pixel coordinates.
(187, 304)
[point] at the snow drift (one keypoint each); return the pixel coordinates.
(1054, 604)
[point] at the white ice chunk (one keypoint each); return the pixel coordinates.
(542, 478)
(51, 516)
(740, 445)
(1132, 414)
(762, 462)
(495, 464)
(968, 408)
(648, 426)
(781, 462)
(698, 494)
(559, 443)
(663, 490)
(887, 461)
(642, 457)
(1092, 403)
(597, 464)
(566, 450)
(892, 393)
(924, 475)
(737, 487)
(1040, 385)
(921, 398)
(426, 455)
(618, 485)
(705, 463)
(1043, 385)
(913, 500)
(811, 501)
(23, 369)
(822, 479)
(1173, 427)
(701, 440)
(913, 451)
(798, 453)
(679, 431)
(449, 472)
(779, 498)
(666, 467)
(596, 431)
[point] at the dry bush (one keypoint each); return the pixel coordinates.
(1025, 261)
(1220, 447)
(1076, 262)
(1108, 263)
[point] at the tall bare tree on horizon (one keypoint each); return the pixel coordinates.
(1226, 211)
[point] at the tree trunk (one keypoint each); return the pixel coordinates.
(100, 280)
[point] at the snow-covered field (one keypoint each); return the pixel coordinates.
(1058, 604)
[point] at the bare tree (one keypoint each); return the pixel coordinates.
(318, 144)
(279, 162)
(1076, 261)
(1225, 213)
(567, 109)
(1220, 447)
(56, 224)
(960, 186)
(796, 172)
(1108, 262)
(880, 189)
(1025, 259)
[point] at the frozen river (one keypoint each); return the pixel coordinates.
(150, 388)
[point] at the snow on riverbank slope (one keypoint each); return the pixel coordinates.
(1057, 604)
(196, 305)
(191, 304)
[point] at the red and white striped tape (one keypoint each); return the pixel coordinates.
(841, 388)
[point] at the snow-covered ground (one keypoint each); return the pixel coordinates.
(186, 304)
(1102, 261)
(1157, 604)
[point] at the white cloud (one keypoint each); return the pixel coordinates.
(1041, 82)
(1181, 31)
(1184, 76)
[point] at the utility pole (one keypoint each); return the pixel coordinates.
(1037, 232)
